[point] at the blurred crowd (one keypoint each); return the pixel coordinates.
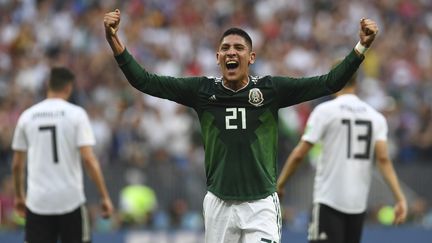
(160, 140)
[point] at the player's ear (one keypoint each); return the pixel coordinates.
(217, 58)
(69, 89)
(252, 57)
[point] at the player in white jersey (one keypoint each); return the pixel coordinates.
(54, 135)
(352, 135)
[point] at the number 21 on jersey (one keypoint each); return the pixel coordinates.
(235, 118)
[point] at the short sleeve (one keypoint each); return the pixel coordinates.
(382, 129)
(85, 136)
(19, 141)
(314, 126)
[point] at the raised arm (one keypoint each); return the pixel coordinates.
(386, 168)
(112, 25)
(296, 90)
(180, 90)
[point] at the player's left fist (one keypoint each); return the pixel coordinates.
(368, 31)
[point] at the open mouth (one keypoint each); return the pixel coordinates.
(232, 64)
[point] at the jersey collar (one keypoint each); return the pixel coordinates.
(235, 91)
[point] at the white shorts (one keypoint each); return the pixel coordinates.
(257, 221)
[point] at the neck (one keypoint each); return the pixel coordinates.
(346, 90)
(57, 95)
(236, 85)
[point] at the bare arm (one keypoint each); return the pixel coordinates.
(18, 166)
(112, 24)
(91, 164)
(294, 160)
(386, 168)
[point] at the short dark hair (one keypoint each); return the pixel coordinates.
(60, 77)
(239, 32)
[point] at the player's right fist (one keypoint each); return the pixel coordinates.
(112, 22)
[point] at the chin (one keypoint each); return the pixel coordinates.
(231, 78)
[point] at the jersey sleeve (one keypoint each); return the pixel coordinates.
(19, 141)
(315, 126)
(85, 135)
(291, 91)
(382, 129)
(180, 90)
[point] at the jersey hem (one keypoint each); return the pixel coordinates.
(339, 208)
(241, 198)
(59, 212)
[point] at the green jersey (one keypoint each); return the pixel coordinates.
(239, 128)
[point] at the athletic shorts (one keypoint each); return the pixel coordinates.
(329, 225)
(257, 221)
(71, 227)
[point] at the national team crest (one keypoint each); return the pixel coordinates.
(255, 97)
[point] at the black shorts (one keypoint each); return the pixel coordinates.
(331, 226)
(71, 227)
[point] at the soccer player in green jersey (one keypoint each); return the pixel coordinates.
(239, 121)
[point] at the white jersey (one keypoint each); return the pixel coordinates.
(348, 129)
(51, 132)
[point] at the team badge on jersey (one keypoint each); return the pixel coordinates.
(255, 97)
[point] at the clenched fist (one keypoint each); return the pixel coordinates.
(112, 22)
(368, 31)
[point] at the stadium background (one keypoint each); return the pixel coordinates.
(156, 144)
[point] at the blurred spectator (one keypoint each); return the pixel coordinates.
(100, 224)
(181, 217)
(137, 201)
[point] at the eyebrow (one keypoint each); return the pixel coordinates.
(235, 45)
